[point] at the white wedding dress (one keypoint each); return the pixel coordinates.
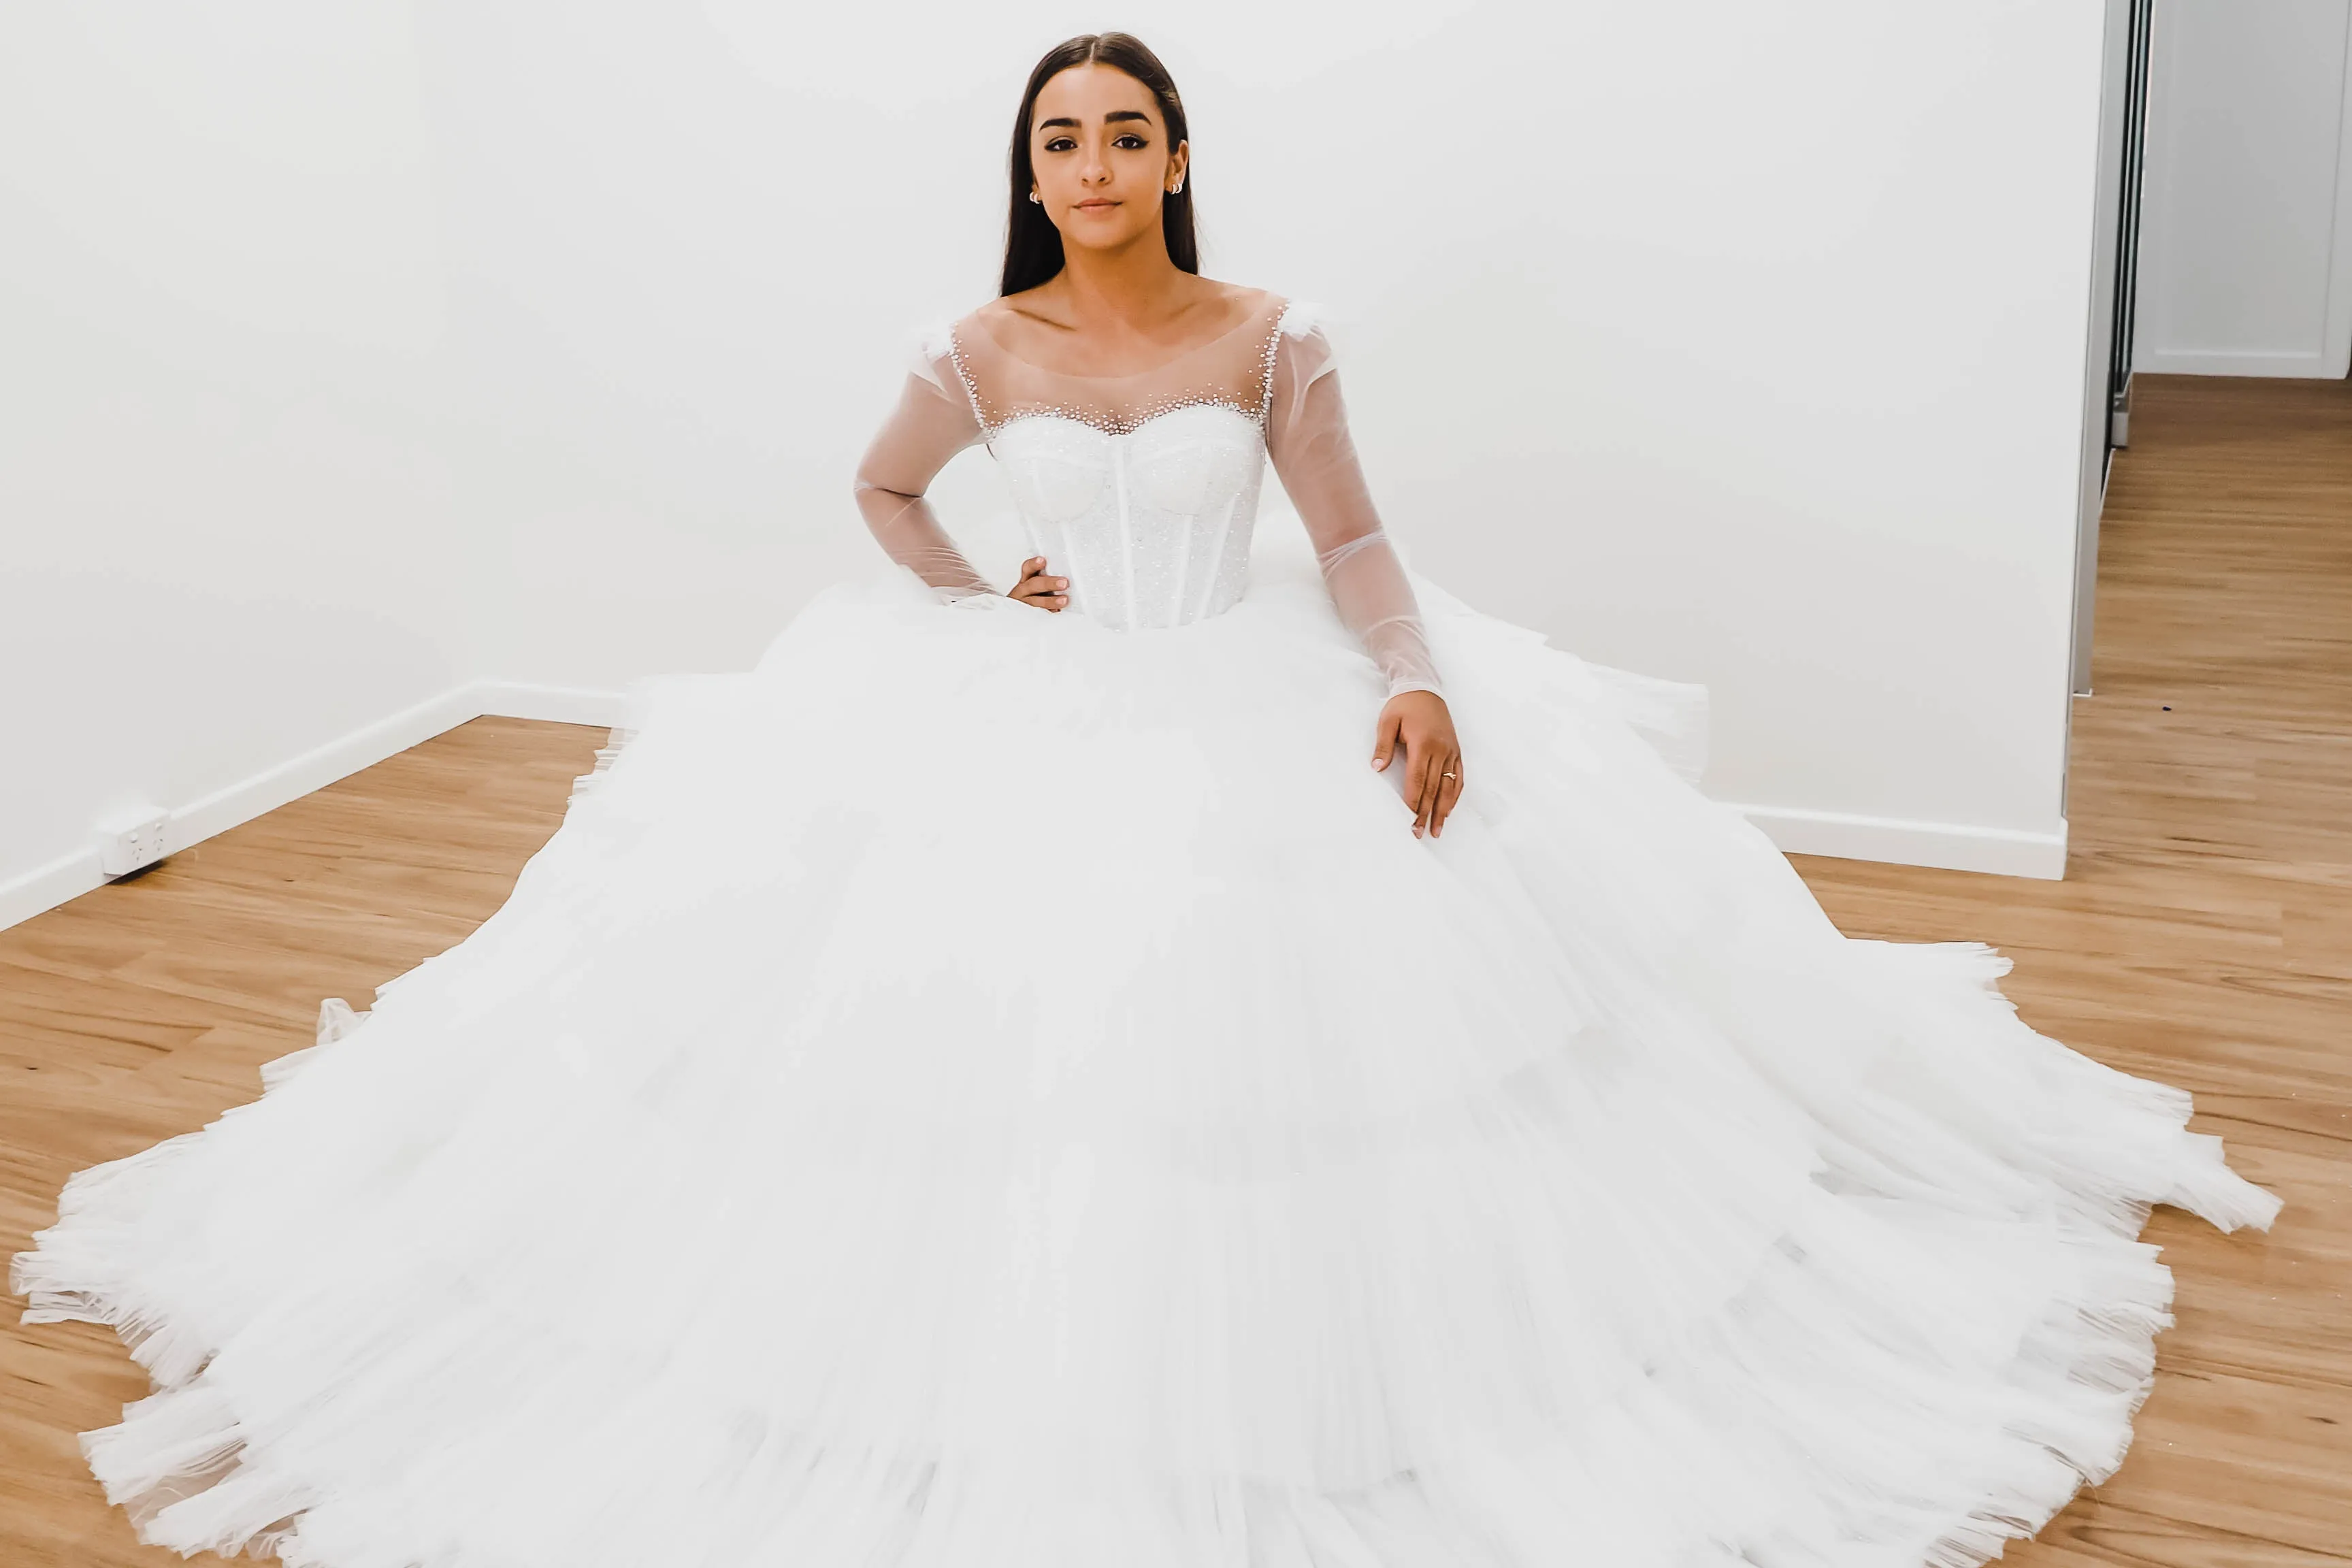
(991, 1088)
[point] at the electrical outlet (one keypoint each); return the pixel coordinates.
(131, 841)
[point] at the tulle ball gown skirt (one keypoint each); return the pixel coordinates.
(982, 1090)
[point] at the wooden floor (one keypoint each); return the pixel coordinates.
(2203, 936)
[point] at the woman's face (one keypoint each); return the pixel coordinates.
(1098, 150)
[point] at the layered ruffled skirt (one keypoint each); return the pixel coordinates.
(981, 1090)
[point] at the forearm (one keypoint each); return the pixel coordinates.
(1375, 601)
(910, 534)
(930, 425)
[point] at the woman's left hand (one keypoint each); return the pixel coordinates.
(1419, 723)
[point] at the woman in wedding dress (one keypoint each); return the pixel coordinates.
(1004, 1084)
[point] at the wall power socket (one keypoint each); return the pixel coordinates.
(131, 839)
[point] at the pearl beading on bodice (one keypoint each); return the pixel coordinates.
(1141, 415)
(1141, 489)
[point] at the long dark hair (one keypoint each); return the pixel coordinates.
(1032, 246)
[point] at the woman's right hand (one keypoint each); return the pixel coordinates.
(1038, 589)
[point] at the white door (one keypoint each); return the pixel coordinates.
(2246, 236)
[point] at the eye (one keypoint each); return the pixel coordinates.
(1130, 141)
(1060, 144)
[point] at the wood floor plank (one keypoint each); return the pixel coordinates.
(2252, 1460)
(2098, 1534)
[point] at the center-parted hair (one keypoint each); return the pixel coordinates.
(1032, 246)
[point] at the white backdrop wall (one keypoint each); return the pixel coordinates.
(1733, 344)
(2246, 222)
(224, 532)
(1728, 342)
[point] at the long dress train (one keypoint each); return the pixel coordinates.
(987, 1089)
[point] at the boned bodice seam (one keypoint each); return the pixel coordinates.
(1149, 535)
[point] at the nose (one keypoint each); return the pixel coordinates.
(1097, 169)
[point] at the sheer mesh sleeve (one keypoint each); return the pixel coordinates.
(1306, 436)
(933, 421)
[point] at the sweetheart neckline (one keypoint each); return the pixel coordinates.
(1253, 418)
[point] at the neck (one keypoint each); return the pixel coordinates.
(1134, 283)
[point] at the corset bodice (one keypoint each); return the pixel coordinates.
(1138, 482)
(1151, 525)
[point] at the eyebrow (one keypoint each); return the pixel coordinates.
(1114, 117)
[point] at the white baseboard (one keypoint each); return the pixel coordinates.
(1796, 831)
(70, 876)
(1951, 847)
(28, 893)
(2311, 364)
(319, 767)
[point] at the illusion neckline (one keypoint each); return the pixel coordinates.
(1266, 316)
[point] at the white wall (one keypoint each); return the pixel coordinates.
(1731, 342)
(224, 521)
(2246, 224)
(1728, 345)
